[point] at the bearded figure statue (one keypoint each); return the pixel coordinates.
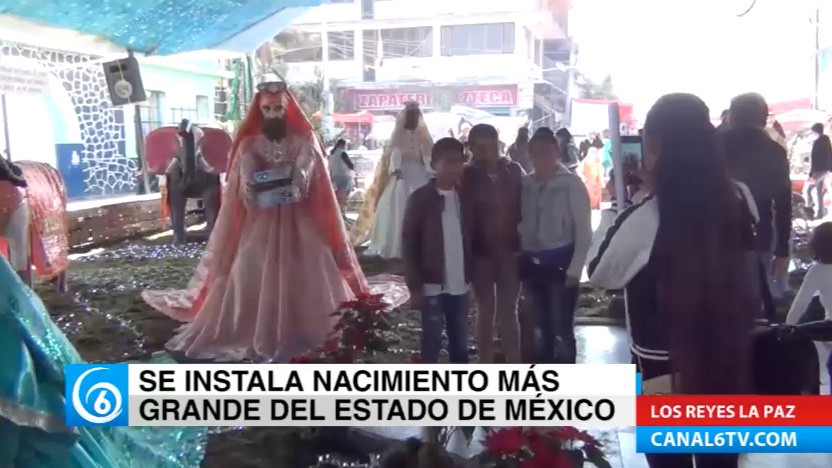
(404, 167)
(278, 262)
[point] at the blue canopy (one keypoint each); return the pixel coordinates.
(164, 27)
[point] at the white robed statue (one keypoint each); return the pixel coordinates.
(404, 167)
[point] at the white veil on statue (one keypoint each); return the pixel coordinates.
(422, 130)
(363, 227)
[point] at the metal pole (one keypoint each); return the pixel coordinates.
(327, 120)
(617, 163)
(6, 127)
(137, 124)
(570, 84)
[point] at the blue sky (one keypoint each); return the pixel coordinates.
(653, 47)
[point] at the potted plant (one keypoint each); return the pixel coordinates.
(559, 447)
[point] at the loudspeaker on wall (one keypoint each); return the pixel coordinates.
(124, 81)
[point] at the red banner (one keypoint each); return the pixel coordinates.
(488, 96)
(387, 100)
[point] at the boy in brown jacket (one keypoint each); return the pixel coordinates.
(436, 253)
(491, 184)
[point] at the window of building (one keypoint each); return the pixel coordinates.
(203, 109)
(407, 42)
(299, 46)
(341, 45)
(151, 113)
(368, 9)
(475, 39)
(177, 114)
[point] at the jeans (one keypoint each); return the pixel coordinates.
(445, 310)
(814, 193)
(550, 317)
(496, 288)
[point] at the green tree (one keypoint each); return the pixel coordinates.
(591, 89)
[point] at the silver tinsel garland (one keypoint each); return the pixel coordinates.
(337, 461)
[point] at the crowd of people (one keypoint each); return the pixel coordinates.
(465, 216)
(700, 253)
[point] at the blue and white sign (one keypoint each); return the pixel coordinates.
(96, 395)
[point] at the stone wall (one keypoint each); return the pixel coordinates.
(107, 169)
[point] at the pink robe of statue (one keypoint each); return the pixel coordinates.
(290, 268)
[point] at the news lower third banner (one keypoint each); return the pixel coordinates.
(734, 424)
(585, 396)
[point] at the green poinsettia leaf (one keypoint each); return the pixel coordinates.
(595, 456)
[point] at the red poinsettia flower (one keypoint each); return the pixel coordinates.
(347, 305)
(302, 359)
(356, 338)
(330, 346)
(507, 441)
(364, 296)
(541, 444)
(368, 299)
(566, 433)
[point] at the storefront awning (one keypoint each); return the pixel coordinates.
(159, 27)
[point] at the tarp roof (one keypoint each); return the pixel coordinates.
(159, 27)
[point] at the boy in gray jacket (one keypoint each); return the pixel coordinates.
(555, 234)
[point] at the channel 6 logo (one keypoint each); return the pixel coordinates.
(96, 394)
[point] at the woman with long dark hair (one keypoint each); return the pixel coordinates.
(685, 257)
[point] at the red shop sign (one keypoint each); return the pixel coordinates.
(488, 96)
(388, 100)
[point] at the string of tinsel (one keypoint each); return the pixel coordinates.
(233, 112)
(336, 461)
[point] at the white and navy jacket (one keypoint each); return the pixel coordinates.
(626, 260)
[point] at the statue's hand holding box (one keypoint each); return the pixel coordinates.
(275, 186)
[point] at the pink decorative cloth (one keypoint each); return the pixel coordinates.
(270, 279)
(46, 196)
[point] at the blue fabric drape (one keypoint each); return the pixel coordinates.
(32, 430)
(163, 27)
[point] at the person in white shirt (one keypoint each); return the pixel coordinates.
(818, 279)
(817, 282)
(436, 250)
